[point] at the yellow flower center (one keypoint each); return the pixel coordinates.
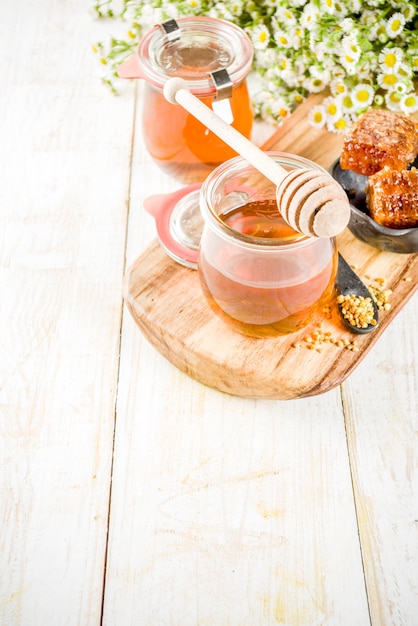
(410, 101)
(390, 79)
(390, 59)
(394, 97)
(317, 118)
(395, 26)
(341, 124)
(362, 95)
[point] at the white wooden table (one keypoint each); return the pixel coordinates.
(130, 493)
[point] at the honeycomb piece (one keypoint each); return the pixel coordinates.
(392, 198)
(380, 138)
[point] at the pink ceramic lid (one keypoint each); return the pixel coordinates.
(179, 223)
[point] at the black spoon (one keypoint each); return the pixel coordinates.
(348, 283)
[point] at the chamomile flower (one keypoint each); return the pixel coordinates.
(331, 108)
(281, 109)
(338, 125)
(408, 11)
(282, 39)
(310, 16)
(317, 116)
(350, 54)
(193, 4)
(338, 86)
(346, 103)
(362, 96)
(387, 80)
(285, 16)
(314, 84)
(413, 61)
(393, 101)
(395, 25)
(351, 47)
(260, 36)
(409, 103)
(390, 59)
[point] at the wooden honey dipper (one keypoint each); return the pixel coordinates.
(310, 201)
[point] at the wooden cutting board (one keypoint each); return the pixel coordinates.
(165, 300)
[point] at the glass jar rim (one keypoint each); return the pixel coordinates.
(230, 35)
(211, 217)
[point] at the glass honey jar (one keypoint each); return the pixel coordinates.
(214, 57)
(258, 274)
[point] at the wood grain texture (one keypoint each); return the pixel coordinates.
(62, 241)
(166, 302)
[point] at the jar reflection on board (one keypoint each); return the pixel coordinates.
(214, 57)
(258, 274)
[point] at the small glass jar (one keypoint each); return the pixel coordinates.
(214, 57)
(258, 274)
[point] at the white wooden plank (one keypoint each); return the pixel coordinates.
(381, 404)
(224, 510)
(64, 153)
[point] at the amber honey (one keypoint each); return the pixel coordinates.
(276, 290)
(181, 145)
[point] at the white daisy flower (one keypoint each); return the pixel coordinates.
(393, 101)
(193, 4)
(394, 25)
(362, 95)
(346, 103)
(390, 58)
(387, 80)
(317, 116)
(338, 125)
(281, 109)
(284, 15)
(332, 108)
(282, 39)
(414, 62)
(334, 7)
(310, 16)
(338, 87)
(408, 11)
(351, 47)
(260, 36)
(314, 84)
(409, 103)
(404, 71)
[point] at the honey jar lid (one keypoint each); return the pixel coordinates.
(195, 48)
(179, 223)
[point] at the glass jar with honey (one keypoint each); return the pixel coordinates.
(214, 57)
(258, 274)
